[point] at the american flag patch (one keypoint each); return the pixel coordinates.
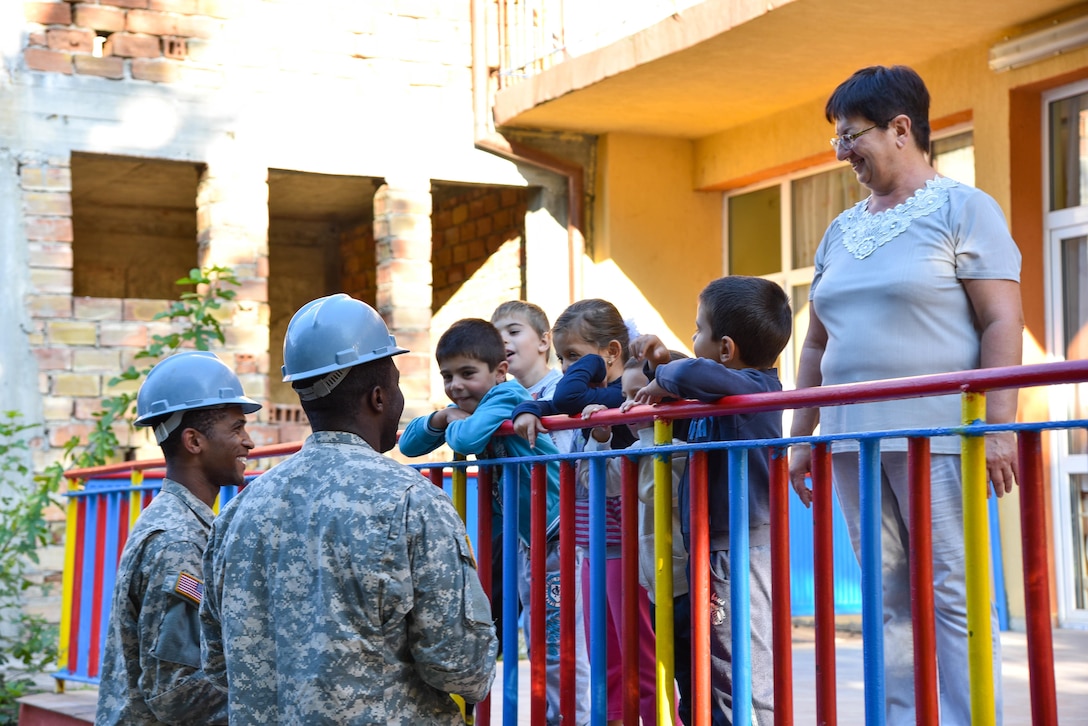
(189, 587)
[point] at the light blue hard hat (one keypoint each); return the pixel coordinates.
(187, 381)
(329, 335)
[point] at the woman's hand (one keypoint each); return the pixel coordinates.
(528, 427)
(1001, 461)
(800, 466)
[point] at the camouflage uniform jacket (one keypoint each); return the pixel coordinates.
(342, 590)
(151, 670)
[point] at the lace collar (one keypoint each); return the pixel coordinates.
(863, 232)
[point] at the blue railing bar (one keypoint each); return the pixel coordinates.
(740, 596)
(510, 552)
(109, 574)
(598, 583)
(872, 587)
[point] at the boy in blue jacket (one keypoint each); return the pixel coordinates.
(472, 360)
(743, 323)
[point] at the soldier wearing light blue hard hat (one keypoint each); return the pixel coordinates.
(340, 568)
(151, 671)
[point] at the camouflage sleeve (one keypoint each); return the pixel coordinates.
(174, 687)
(211, 629)
(450, 629)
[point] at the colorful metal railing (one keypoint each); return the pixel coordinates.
(86, 582)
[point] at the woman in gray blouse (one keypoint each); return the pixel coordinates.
(920, 277)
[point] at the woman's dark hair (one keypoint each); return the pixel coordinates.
(880, 93)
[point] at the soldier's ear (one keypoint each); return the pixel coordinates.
(192, 441)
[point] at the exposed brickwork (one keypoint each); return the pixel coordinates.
(55, 13)
(402, 232)
(129, 45)
(357, 253)
(99, 17)
(88, 65)
(38, 59)
(467, 229)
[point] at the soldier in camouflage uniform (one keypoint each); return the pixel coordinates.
(151, 669)
(341, 585)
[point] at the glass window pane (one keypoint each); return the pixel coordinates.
(817, 200)
(1068, 157)
(1078, 488)
(799, 303)
(1075, 329)
(954, 157)
(755, 232)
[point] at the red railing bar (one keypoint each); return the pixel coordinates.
(823, 567)
(782, 618)
(92, 472)
(1044, 705)
(538, 656)
(985, 379)
(699, 588)
(567, 594)
(629, 547)
(77, 586)
(483, 562)
(921, 583)
(93, 658)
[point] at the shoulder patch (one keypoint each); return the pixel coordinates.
(189, 587)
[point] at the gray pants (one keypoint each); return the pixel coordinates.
(949, 583)
(721, 646)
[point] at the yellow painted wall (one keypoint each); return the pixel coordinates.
(656, 241)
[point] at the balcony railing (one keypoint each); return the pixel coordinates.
(99, 516)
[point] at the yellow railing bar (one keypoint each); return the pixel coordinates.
(976, 535)
(459, 479)
(666, 691)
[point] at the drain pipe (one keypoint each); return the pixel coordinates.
(521, 153)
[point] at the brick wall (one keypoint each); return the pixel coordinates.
(192, 41)
(358, 274)
(146, 40)
(468, 228)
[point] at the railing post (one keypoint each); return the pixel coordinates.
(699, 588)
(510, 594)
(823, 566)
(459, 488)
(921, 583)
(568, 595)
(538, 613)
(976, 535)
(68, 584)
(1044, 706)
(663, 584)
(782, 633)
(872, 580)
(740, 600)
(596, 638)
(629, 524)
(483, 560)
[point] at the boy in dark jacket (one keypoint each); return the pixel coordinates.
(742, 326)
